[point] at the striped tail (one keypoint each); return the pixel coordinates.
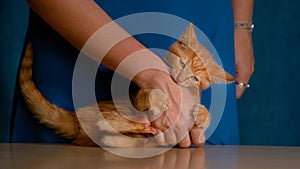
(62, 121)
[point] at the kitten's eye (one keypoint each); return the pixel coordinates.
(181, 64)
(194, 78)
(182, 44)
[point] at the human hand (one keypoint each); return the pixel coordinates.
(174, 124)
(244, 58)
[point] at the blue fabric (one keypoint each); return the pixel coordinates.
(54, 60)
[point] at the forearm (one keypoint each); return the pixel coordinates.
(75, 20)
(243, 10)
(78, 20)
(244, 57)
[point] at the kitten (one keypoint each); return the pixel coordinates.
(191, 66)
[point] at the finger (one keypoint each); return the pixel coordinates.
(185, 142)
(170, 137)
(160, 138)
(198, 136)
(161, 123)
(167, 122)
(182, 134)
(239, 92)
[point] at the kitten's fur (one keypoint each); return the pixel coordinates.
(191, 66)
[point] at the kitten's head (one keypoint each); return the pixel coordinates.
(190, 61)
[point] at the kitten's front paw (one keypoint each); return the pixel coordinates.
(159, 102)
(201, 120)
(201, 116)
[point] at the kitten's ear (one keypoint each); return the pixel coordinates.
(219, 75)
(189, 37)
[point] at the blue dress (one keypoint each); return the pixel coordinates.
(54, 60)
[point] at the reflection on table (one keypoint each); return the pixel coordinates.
(17, 156)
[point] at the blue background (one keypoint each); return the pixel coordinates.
(269, 111)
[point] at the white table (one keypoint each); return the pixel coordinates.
(52, 156)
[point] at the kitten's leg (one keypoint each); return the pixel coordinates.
(202, 121)
(159, 102)
(202, 116)
(141, 101)
(153, 100)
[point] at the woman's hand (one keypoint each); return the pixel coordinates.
(244, 58)
(174, 124)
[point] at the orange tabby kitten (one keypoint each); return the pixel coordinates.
(191, 66)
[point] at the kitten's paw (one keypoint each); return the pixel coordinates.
(159, 102)
(201, 120)
(201, 116)
(198, 136)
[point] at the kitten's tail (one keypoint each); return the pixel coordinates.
(64, 122)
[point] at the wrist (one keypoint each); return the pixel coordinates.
(141, 65)
(244, 25)
(146, 78)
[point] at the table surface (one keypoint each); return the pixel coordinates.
(40, 156)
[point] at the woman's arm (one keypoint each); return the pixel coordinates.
(244, 57)
(78, 20)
